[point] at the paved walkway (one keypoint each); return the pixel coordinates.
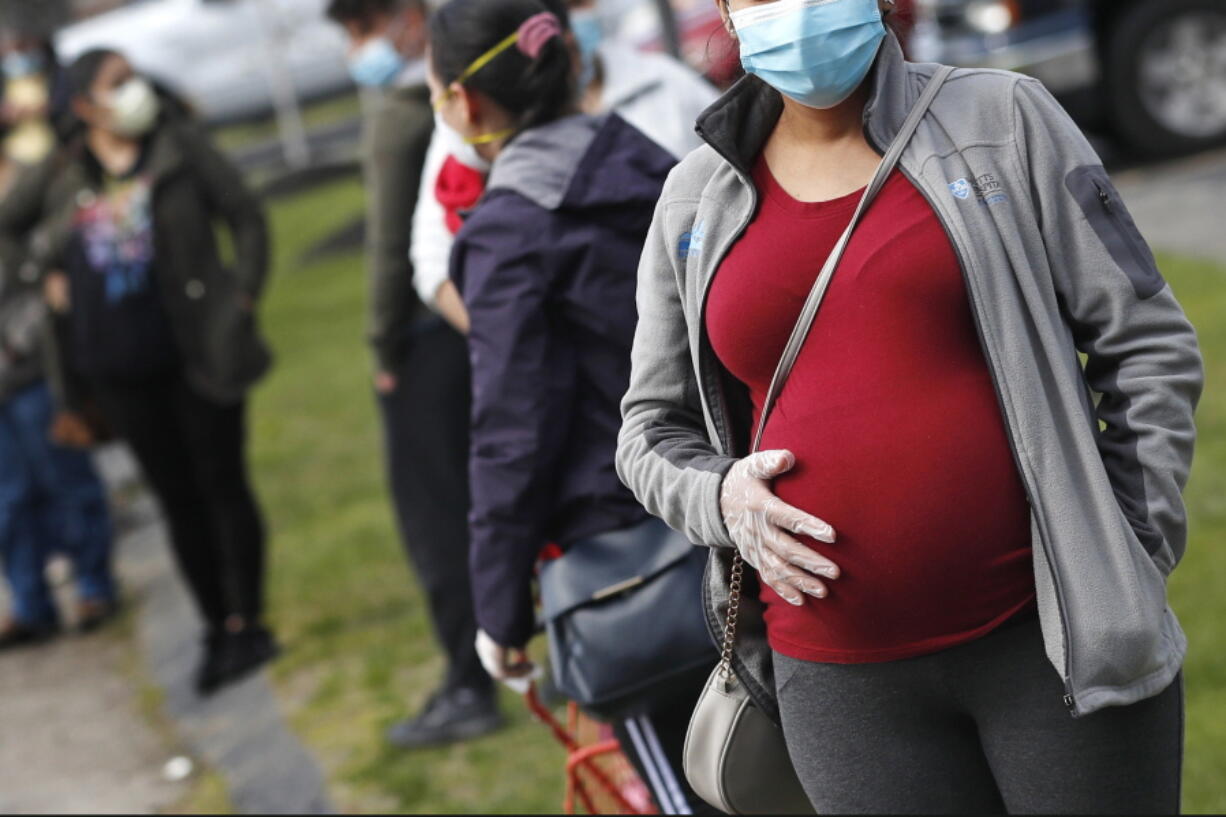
(74, 739)
(1180, 205)
(72, 734)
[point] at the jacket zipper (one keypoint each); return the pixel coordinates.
(1069, 701)
(1104, 198)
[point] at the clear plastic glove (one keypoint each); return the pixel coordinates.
(762, 527)
(509, 665)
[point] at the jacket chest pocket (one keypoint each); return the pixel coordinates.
(1105, 210)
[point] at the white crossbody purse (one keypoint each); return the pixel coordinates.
(735, 757)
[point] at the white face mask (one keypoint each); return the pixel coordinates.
(463, 152)
(133, 108)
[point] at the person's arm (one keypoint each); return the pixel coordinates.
(664, 453)
(396, 151)
(522, 384)
(450, 305)
(230, 198)
(1141, 352)
(430, 249)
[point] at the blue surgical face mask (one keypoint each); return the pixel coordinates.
(815, 51)
(377, 63)
(23, 63)
(589, 33)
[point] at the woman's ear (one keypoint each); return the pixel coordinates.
(470, 105)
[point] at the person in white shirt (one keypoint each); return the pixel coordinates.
(658, 94)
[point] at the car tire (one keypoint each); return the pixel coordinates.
(1165, 82)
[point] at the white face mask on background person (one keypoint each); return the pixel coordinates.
(465, 153)
(133, 108)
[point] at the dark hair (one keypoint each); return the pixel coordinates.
(84, 70)
(363, 11)
(533, 91)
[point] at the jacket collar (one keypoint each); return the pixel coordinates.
(738, 124)
(540, 163)
(164, 155)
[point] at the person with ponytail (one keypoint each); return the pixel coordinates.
(158, 330)
(545, 264)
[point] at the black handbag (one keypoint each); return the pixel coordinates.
(623, 613)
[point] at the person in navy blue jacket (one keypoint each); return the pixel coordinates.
(546, 264)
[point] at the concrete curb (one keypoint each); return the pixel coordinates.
(240, 731)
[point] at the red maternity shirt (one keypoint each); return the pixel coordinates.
(891, 413)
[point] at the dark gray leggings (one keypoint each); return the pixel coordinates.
(980, 728)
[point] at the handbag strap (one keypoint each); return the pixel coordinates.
(809, 312)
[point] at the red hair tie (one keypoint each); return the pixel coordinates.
(536, 31)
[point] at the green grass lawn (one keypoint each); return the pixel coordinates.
(359, 650)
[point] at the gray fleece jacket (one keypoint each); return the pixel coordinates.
(1053, 265)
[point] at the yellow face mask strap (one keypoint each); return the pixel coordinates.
(486, 138)
(486, 58)
(479, 63)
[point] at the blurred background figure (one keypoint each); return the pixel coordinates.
(656, 93)
(51, 500)
(158, 329)
(33, 96)
(421, 365)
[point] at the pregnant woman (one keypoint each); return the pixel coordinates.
(961, 554)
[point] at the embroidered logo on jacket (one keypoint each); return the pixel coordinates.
(691, 242)
(987, 189)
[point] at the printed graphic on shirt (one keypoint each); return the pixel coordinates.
(116, 229)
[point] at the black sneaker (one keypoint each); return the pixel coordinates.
(16, 633)
(210, 664)
(234, 656)
(449, 716)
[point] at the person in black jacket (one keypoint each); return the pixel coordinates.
(546, 264)
(162, 331)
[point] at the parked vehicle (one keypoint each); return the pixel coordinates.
(1152, 71)
(225, 57)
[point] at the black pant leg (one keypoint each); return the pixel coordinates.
(216, 438)
(145, 416)
(425, 428)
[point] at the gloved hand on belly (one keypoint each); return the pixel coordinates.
(761, 525)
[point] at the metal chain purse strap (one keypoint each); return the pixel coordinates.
(735, 757)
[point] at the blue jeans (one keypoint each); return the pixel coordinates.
(51, 500)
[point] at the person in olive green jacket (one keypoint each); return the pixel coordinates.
(421, 363)
(159, 330)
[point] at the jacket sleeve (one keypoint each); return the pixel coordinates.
(664, 453)
(395, 153)
(523, 379)
(1141, 351)
(231, 199)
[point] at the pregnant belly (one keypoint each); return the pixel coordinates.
(932, 523)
